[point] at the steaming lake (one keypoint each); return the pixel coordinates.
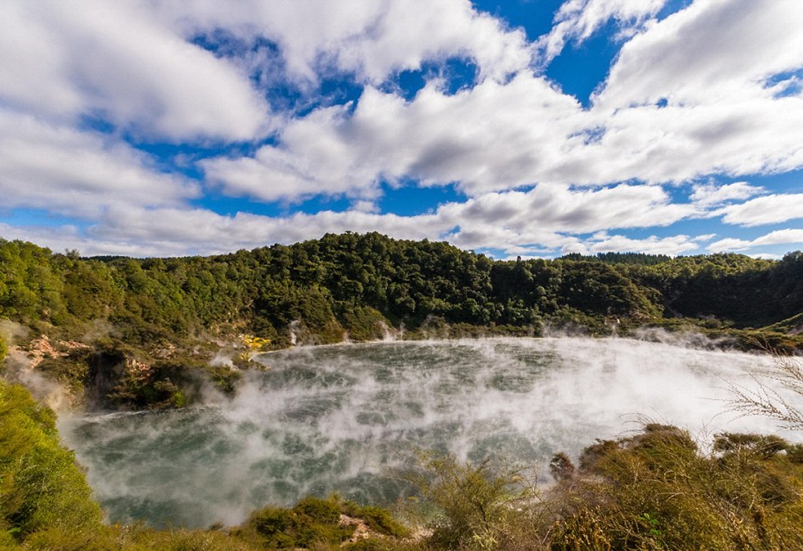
(336, 418)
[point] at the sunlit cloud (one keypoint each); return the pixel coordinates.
(195, 127)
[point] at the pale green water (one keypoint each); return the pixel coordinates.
(335, 418)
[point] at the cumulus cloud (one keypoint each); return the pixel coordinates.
(711, 194)
(714, 50)
(116, 60)
(603, 242)
(510, 221)
(580, 19)
(703, 93)
(494, 136)
(504, 135)
(80, 174)
(371, 39)
(778, 237)
(764, 210)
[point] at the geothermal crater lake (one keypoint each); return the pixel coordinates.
(340, 418)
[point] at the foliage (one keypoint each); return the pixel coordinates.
(656, 491)
(376, 518)
(353, 283)
(315, 522)
(40, 486)
(471, 506)
(621, 258)
(653, 490)
(356, 286)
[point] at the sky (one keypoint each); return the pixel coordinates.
(532, 128)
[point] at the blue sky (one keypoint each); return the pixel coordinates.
(530, 128)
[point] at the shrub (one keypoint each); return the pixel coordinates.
(312, 520)
(656, 491)
(474, 506)
(378, 519)
(41, 487)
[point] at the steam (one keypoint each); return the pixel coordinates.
(47, 391)
(11, 331)
(20, 369)
(335, 418)
(222, 359)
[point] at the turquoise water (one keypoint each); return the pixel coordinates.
(341, 418)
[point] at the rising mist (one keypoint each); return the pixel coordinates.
(337, 418)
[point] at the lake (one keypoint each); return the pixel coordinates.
(340, 418)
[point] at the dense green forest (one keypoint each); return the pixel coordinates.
(124, 332)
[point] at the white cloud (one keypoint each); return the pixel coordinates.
(711, 194)
(200, 231)
(372, 39)
(511, 221)
(713, 51)
(76, 173)
(561, 209)
(771, 209)
(505, 135)
(681, 143)
(550, 217)
(66, 60)
(580, 19)
(729, 244)
(539, 169)
(779, 237)
(672, 246)
(495, 136)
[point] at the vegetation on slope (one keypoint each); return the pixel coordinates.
(134, 333)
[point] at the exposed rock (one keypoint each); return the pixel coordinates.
(361, 530)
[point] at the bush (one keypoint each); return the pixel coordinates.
(41, 487)
(473, 506)
(378, 519)
(655, 491)
(311, 521)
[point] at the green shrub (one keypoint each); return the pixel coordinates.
(311, 521)
(41, 487)
(473, 506)
(656, 491)
(378, 519)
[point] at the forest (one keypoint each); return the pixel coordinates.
(132, 333)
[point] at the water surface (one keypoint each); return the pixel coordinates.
(336, 418)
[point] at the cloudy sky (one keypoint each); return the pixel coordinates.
(509, 127)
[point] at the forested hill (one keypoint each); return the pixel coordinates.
(360, 285)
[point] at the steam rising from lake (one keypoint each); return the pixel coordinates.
(335, 418)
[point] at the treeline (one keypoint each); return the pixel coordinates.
(350, 282)
(654, 490)
(621, 258)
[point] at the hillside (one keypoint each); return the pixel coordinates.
(135, 333)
